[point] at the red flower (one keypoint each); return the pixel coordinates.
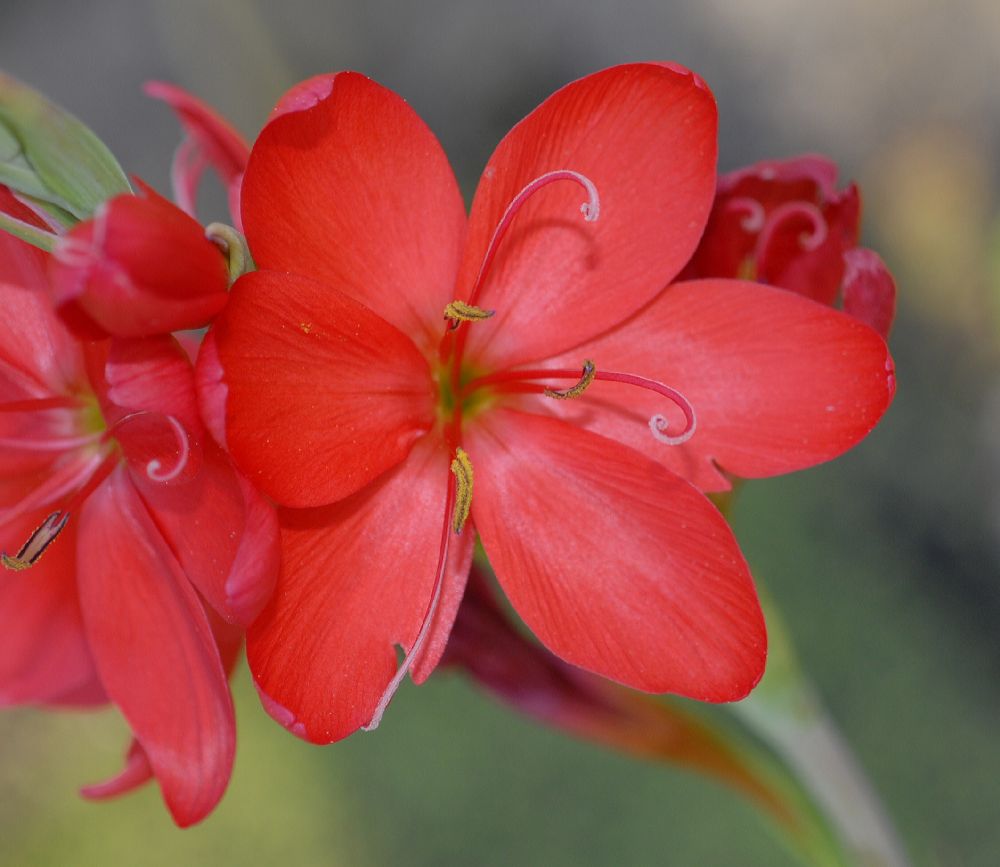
(348, 401)
(785, 223)
(140, 267)
(127, 521)
(210, 141)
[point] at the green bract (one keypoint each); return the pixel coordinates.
(49, 155)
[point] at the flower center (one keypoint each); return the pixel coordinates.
(83, 457)
(463, 391)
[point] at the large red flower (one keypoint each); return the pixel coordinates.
(125, 529)
(575, 403)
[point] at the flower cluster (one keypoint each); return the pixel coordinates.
(563, 374)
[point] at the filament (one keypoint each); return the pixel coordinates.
(154, 468)
(591, 210)
(521, 381)
(810, 239)
(754, 218)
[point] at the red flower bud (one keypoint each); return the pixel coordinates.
(784, 222)
(140, 267)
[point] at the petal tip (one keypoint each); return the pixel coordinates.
(890, 375)
(696, 79)
(281, 714)
(305, 95)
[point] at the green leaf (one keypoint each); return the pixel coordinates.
(48, 154)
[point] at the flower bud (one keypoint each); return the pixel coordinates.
(139, 267)
(784, 222)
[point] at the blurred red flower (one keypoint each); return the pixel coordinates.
(210, 141)
(137, 543)
(784, 222)
(347, 405)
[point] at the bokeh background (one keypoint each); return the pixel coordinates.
(885, 563)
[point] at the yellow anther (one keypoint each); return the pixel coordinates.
(461, 466)
(459, 311)
(589, 371)
(37, 543)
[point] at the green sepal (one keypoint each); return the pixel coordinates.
(27, 232)
(48, 154)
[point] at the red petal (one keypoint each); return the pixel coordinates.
(21, 264)
(211, 388)
(356, 579)
(155, 375)
(151, 406)
(869, 290)
(617, 565)
(777, 382)
(43, 650)
(490, 648)
(347, 185)
(222, 532)
(805, 253)
(323, 394)
(36, 350)
(810, 177)
(141, 267)
(224, 146)
(89, 694)
(154, 649)
(254, 570)
(224, 535)
(137, 772)
(452, 591)
(645, 134)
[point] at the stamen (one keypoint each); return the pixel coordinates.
(184, 445)
(154, 468)
(658, 428)
(754, 220)
(461, 468)
(658, 423)
(459, 311)
(589, 371)
(429, 614)
(809, 239)
(591, 210)
(514, 380)
(37, 542)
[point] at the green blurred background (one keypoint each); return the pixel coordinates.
(884, 563)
